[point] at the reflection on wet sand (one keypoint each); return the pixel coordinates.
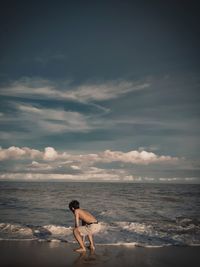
(90, 258)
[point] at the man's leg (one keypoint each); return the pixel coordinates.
(90, 237)
(80, 240)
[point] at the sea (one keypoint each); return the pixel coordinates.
(130, 214)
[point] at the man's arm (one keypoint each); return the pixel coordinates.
(76, 214)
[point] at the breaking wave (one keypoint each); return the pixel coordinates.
(184, 232)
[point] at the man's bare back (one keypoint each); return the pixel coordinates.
(84, 215)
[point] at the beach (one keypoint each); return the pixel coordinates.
(36, 225)
(36, 254)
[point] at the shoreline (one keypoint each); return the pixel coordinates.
(34, 253)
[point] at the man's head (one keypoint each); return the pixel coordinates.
(73, 205)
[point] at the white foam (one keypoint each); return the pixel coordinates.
(118, 233)
(135, 227)
(15, 229)
(132, 244)
(58, 230)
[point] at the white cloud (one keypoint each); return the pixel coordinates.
(52, 161)
(34, 88)
(74, 167)
(45, 121)
(150, 148)
(36, 166)
(50, 154)
(98, 175)
(57, 176)
(19, 153)
(109, 90)
(52, 164)
(178, 179)
(52, 120)
(136, 157)
(34, 172)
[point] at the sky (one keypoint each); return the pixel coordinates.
(100, 91)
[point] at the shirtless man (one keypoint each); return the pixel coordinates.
(89, 225)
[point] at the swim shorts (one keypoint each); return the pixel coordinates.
(89, 229)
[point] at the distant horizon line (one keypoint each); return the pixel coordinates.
(99, 181)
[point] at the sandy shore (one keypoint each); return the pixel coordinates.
(33, 253)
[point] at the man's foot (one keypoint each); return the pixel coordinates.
(91, 248)
(80, 250)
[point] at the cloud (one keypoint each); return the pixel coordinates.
(109, 90)
(50, 154)
(24, 163)
(74, 167)
(40, 88)
(36, 166)
(179, 179)
(19, 153)
(13, 152)
(55, 120)
(136, 157)
(37, 121)
(36, 172)
(57, 176)
(94, 176)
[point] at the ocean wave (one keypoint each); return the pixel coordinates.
(185, 222)
(117, 233)
(15, 230)
(46, 232)
(135, 227)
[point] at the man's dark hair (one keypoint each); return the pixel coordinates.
(74, 204)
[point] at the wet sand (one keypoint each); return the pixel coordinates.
(36, 254)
